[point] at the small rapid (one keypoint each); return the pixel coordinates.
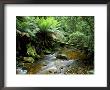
(53, 65)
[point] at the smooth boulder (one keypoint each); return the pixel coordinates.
(61, 56)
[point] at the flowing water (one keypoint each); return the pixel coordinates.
(50, 64)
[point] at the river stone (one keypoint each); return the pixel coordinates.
(20, 71)
(61, 56)
(28, 59)
(47, 52)
(91, 72)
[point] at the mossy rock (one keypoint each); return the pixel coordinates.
(47, 52)
(31, 51)
(61, 56)
(28, 59)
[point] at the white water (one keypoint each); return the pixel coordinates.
(54, 65)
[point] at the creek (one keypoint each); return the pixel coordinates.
(51, 64)
(54, 65)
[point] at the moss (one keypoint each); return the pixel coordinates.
(31, 51)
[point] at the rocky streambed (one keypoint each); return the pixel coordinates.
(56, 64)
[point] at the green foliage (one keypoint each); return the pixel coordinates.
(78, 39)
(59, 36)
(27, 24)
(31, 51)
(20, 24)
(81, 41)
(48, 23)
(46, 31)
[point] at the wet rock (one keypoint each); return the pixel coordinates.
(50, 71)
(91, 72)
(21, 71)
(44, 64)
(31, 52)
(28, 59)
(55, 72)
(61, 56)
(47, 52)
(50, 57)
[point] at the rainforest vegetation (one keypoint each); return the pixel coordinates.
(55, 44)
